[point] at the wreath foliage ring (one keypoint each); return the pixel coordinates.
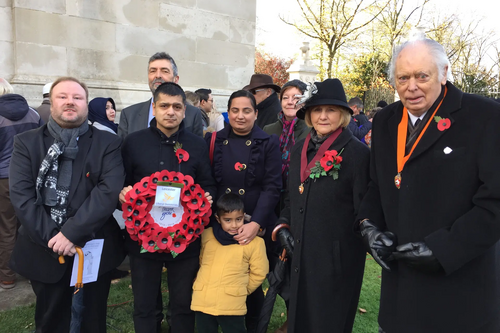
(150, 235)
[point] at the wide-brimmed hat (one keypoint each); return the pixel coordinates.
(330, 92)
(262, 81)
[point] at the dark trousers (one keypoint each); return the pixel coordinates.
(8, 231)
(53, 305)
(146, 286)
(206, 323)
(255, 301)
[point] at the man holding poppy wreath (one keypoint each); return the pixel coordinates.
(165, 145)
(431, 216)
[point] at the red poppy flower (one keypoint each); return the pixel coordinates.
(164, 240)
(177, 177)
(190, 234)
(182, 155)
(188, 181)
(326, 162)
(165, 176)
(144, 233)
(127, 209)
(338, 159)
(238, 166)
(149, 243)
(179, 245)
(331, 153)
(444, 124)
(133, 235)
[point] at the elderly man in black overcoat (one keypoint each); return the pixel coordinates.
(431, 216)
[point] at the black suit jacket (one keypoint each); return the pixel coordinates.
(449, 198)
(135, 118)
(97, 179)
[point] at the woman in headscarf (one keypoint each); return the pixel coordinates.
(246, 161)
(328, 177)
(102, 113)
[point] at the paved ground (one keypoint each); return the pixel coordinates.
(22, 293)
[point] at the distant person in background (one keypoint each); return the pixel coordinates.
(356, 106)
(193, 99)
(368, 137)
(215, 121)
(266, 93)
(15, 117)
(44, 108)
(102, 113)
(382, 104)
(370, 114)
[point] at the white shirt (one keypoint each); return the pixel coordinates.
(414, 118)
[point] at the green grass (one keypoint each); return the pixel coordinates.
(120, 308)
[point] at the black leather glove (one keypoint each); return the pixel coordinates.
(380, 244)
(418, 256)
(287, 241)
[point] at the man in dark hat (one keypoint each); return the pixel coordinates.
(266, 95)
(431, 216)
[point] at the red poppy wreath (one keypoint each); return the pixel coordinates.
(165, 229)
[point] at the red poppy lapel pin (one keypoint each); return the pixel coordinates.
(239, 166)
(328, 165)
(88, 174)
(181, 154)
(442, 123)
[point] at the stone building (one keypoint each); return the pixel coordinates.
(107, 43)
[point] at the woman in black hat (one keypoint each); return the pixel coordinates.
(327, 179)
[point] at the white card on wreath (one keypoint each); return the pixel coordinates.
(168, 196)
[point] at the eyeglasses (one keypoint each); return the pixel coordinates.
(255, 91)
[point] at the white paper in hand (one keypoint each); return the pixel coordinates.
(92, 259)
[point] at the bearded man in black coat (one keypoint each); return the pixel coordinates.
(431, 216)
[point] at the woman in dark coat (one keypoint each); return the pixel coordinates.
(288, 127)
(247, 161)
(328, 258)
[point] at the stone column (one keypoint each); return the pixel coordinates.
(303, 69)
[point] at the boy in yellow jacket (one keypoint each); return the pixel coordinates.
(228, 271)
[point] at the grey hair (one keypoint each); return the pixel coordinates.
(5, 87)
(356, 101)
(437, 51)
(165, 56)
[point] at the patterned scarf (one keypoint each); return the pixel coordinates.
(287, 141)
(54, 176)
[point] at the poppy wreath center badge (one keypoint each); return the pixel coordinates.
(165, 229)
(328, 165)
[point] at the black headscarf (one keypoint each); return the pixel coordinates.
(97, 112)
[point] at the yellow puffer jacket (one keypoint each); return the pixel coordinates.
(228, 273)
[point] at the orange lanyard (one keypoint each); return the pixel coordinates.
(402, 131)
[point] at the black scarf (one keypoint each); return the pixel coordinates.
(54, 176)
(222, 236)
(316, 140)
